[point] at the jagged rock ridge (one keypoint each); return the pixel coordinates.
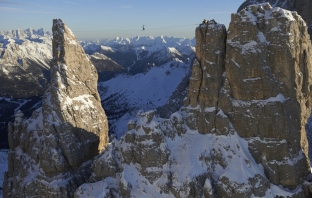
(50, 152)
(303, 7)
(24, 62)
(239, 135)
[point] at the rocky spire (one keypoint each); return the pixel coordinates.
(75, 124)
(50, 152)
(208, 67)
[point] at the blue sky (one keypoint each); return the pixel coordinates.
(97, 19)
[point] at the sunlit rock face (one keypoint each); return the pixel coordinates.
(303, 7)
(265, 92)
(73, 114)
(267, 97)
(241, 132)
(50, 152)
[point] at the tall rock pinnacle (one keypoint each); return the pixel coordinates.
(50, 153)
(74, 119)
(209, 66)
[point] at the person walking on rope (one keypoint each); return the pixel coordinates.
(203, 23)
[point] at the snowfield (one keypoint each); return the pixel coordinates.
(191, 155)
(141, 91)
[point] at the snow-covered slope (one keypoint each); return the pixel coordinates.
(155, 66)
(24, 62)
(21, 44)
(156, 158)
(123, 96)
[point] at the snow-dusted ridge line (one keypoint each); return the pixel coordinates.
(279, 98)
(146, 41)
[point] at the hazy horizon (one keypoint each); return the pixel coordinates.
(107, 19)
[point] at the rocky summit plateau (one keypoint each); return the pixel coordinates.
(242, 127)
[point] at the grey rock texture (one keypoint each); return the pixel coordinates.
(162, 158)
(303, 7)
(241, 132)
(50, 153)
(206, 79)
(74, 119)
(268, 69)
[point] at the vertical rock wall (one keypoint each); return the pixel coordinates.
(268, 69)
(266, 92)
(208, 68)
(72, 107)
(206, 79)
(50, 153)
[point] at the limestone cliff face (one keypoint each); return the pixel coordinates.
(206, 79)
(266, 92)
(241, 132)
(274, 76)
(303, 7)
(50, 152)
(209, 65)
(74, 120)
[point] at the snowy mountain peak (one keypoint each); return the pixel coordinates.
(24, 34)
(147, 41)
